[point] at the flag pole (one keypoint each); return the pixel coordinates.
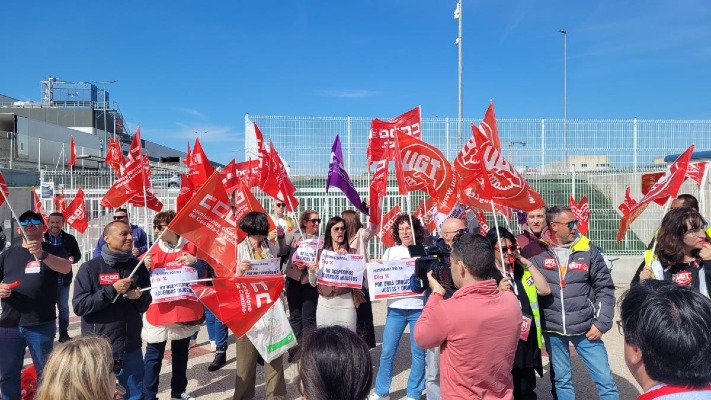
(409, 215)
(14, 215)
(298, 222)
(498, 238)
(702, 189)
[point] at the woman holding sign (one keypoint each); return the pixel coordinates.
(175, 313)
(252, 249)
(301, 296)
(336, 304)
(401, 312)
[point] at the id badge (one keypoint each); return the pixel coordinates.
(32, 267)
(525, 327)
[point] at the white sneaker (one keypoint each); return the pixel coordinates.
(213, 346)
(374, 396)
(184, 396)
(410, 398)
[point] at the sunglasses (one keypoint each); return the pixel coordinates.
(569, 224)
(33, 221)
(119, 218)
(505, 249)
(280, 205)
(159, 227)
(314, 221)
(339, 228)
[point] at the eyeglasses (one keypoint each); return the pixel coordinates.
(505, 249)
(338, 228)
(569, 224)
(120, 217)
(159, 227)
(32, 221)
(314, 221)
(280, 205)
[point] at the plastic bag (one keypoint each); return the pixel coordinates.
(272, 335)
(28, 383)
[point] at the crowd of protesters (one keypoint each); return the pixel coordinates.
(479, 334)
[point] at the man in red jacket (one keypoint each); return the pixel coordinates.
(477, 329)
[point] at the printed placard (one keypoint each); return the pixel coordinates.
(267, 266)
(166, 287)
(391, 279)
(306, 252)
(341, 270)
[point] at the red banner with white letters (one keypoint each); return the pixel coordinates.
(382, 134)
(207, 220)
(386, 228)
(582, 213)
(378, 189)
(76, 213)
(240, 302)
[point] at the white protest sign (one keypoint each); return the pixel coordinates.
(165, 286)
(341, 270)
(458, 211)
(267, 266)
(306, 252)
(391, 279)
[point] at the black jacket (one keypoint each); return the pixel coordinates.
(121, 321)
(70, 245)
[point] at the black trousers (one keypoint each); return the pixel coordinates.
(364, 321)
(524, 382)
(302, 299)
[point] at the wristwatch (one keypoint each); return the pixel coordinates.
(44, 255)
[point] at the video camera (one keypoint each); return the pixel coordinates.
(435, 259)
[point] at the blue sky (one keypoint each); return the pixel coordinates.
(184, 67)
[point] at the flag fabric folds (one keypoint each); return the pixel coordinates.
(239, 302)
(338, 177)
(385, 233)
(275, 180)
(72, 153)
(666, 187)
(378, 190)
(39, 208)
(76, 213)
(581, 211)
(382, 134)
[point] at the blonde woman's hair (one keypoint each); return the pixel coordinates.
(80, 369)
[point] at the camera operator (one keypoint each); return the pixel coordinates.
(451, 228)
(477, 348)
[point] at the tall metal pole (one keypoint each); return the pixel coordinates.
(565, 97)
(105, 108)
(460, 101)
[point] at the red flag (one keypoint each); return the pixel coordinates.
(490, 128)
(246, 202)
(426, 213)
(153, 203)
(382, 134)
(207, 220)
(506, 185)
(125, 187)
(188, 157)
(483, 225)
(249, 173)
(200, 168)
(76, 213)
(5, 190)
(628, 203)
(648, 180)
(668, 186)
(39, 208)
(386, 228)
(114, 156)
(581, 211)
(59, 204)
(697, 172)
(146, 172)
(419, 165)
(72, 153)
(378, 189)
(475, 189)
(230, 176)
(135, 152)
(186, 192)
(277, 183)
(240, 302)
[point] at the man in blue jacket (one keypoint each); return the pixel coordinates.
(140, 239)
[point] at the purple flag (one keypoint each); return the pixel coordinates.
(338, 177)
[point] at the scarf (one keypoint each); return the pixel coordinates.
(114, 257)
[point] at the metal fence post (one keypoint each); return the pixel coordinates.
(634, 143)
(348, 144)
(543, 146)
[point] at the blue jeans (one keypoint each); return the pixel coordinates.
(39, 339)
(395, 323)
(63, 308)
(152, 364)
(594, 357)
(216, 330)
(432, 374)
(132, 376)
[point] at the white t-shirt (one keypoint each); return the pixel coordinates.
(407, 303)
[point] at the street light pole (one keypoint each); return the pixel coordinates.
(460, 101)
(565, 97)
